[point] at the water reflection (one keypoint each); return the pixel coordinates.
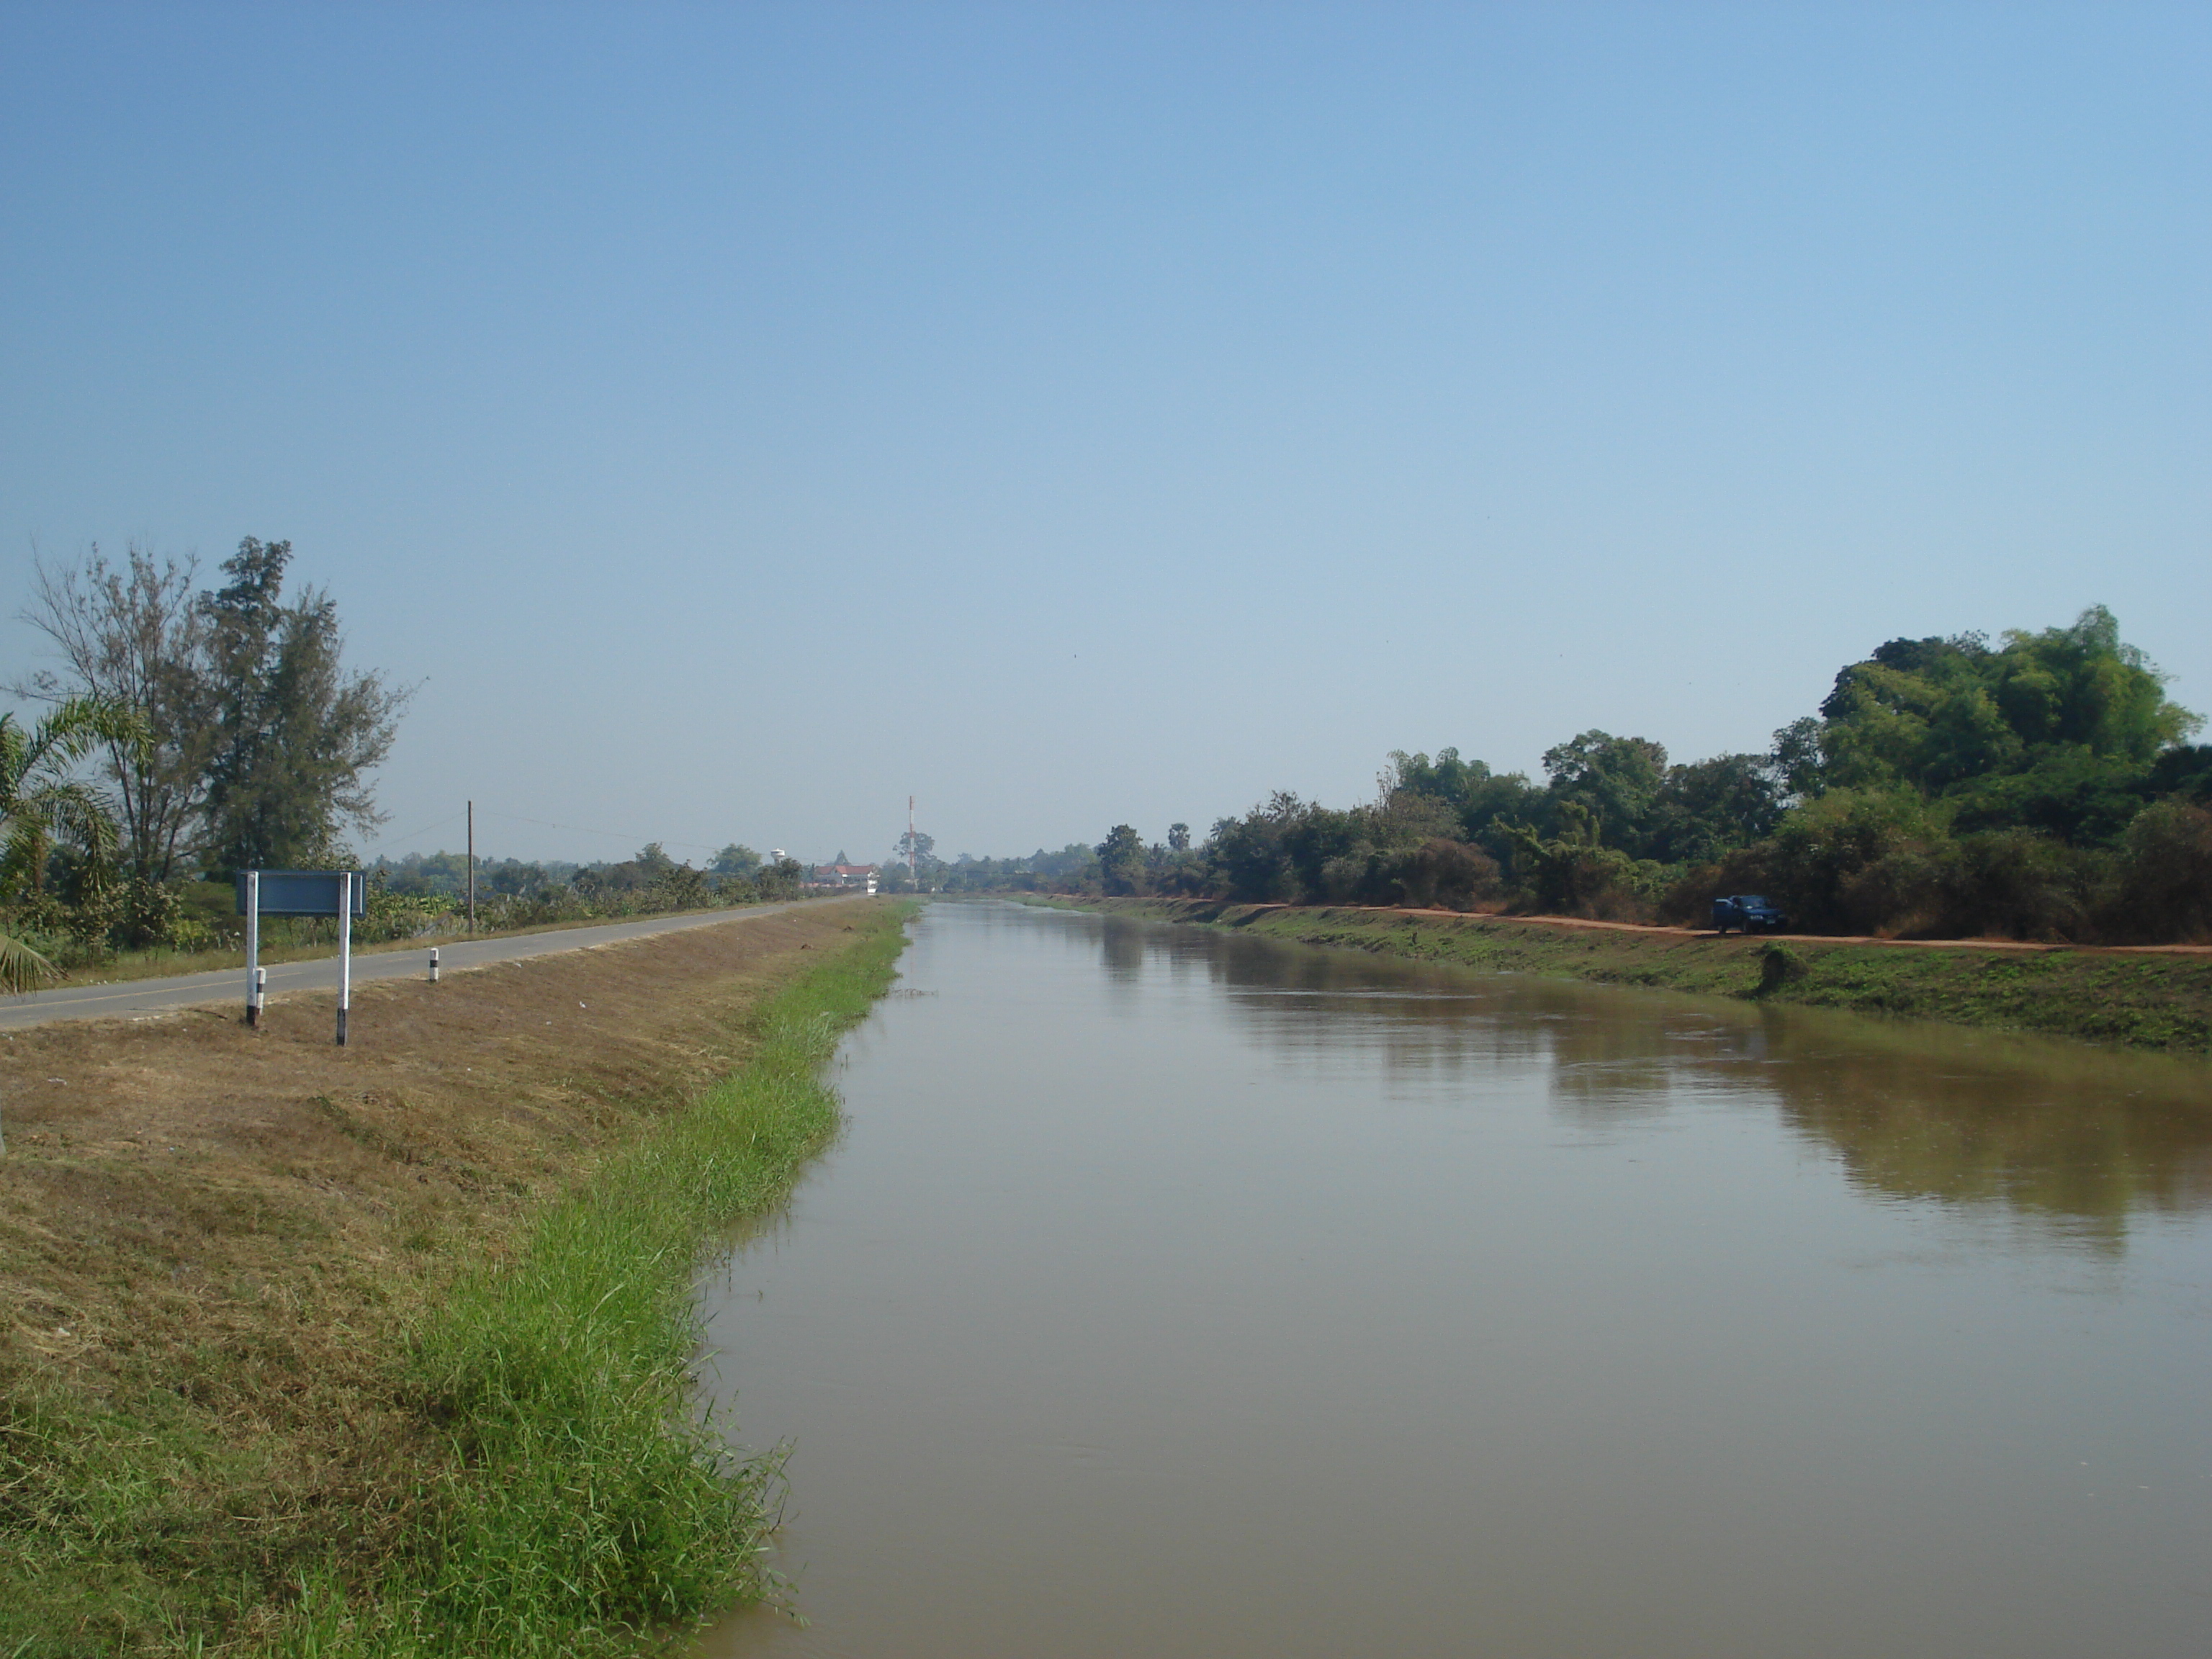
(1912, 1111)
(1186, 1294)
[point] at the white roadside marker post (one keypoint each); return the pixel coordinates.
(260, 993)
(253, 947)
(345, 950)
(434, 964)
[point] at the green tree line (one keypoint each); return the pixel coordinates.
(512, 892)
(2043, 787)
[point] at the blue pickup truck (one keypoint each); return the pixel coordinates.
(1748, 913)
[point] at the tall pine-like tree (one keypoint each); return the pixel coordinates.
(295, 734)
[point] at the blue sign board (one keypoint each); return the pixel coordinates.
(304, 893)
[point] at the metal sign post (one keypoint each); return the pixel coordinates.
(345, 950)
(339, 893)
(253, 947)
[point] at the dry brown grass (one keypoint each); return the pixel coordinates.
(212, 1238)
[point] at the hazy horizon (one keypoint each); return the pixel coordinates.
(737, 420)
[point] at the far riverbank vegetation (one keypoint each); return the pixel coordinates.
(2041, 787)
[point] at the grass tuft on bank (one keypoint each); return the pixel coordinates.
(585, 1497)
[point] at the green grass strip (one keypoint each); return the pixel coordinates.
(588, 1501)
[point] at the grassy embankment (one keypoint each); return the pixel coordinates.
(2142, 999)
(386, 1350)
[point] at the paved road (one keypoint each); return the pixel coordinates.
(153, 996)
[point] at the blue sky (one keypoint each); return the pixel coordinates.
(738, 418)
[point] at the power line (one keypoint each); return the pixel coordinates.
(547, 824)
(411, 834)
(611, 834)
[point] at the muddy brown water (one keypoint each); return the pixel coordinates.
(1173, 1294)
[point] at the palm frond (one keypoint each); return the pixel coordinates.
(77, 811)
(78, 728)
(22, 968)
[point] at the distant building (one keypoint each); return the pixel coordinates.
(834, 877)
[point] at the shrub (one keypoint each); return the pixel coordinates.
(1445, 874)
(2016, 883)
(96, 916)
(1903, 893)
(190, 933)
(37, 914)
(390, 915)
(1574, 874)
(148, 914)
(1859, 862)
(1356, 877)
(2164, 890)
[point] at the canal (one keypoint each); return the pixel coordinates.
(1175, 1293)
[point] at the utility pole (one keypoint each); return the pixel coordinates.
(909, 841)
(472, 868)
